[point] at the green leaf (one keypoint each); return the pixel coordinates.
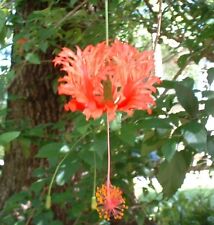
(81, 125)
(187, 99)
(43, 46)
(209, 107)
(116, 123)
(195, 135)
(188, 82)
(182, 60)
(208, 94)
(37, 131)
(72, 2)
(2, 19)
(38, 185)
(210, 76)
(128, 133)
(151, 143)
(7, 137)
(50, 150)
(100, 144)
(169, 149)
(151, 122)
(25, 143)
(67, 170)
(210, 146)
(32, 58)
(168, 84)
(171, 174)
(60, 178)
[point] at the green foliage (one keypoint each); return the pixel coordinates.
(172, 174)
(7, 137)
(187, 99)
(193, 207)
(161, 145)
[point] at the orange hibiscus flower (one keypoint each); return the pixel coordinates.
(105, 79)
(110, 202)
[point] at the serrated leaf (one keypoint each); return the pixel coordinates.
(195, 135)
(187, 99)
(7, 137)
(32, 58)
(169, 149)
(210, 76)
(171, 174)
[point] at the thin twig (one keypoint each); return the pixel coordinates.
(30, 217)
(159, 24)
(149, 6)
(69, 14)
(77, 219)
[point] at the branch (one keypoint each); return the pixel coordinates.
(149, 7)
(71, 13)
(159, 24)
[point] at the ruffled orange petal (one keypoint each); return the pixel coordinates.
(128, 72)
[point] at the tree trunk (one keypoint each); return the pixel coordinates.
(31, 101)
(35, 104)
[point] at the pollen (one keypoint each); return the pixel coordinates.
(110, 203)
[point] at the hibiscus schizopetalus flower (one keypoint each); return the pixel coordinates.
(105, 79)
(110, 202)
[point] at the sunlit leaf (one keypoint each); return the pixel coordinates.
(49, 150)
(8, 137)
(195, 135)
(169, 149)
(33, 58)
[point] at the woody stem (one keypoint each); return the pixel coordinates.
(109, 155)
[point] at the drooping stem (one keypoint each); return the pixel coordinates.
(106, 22)
(107, 120)
(109, 154)
(48, 197)
(95, 174)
